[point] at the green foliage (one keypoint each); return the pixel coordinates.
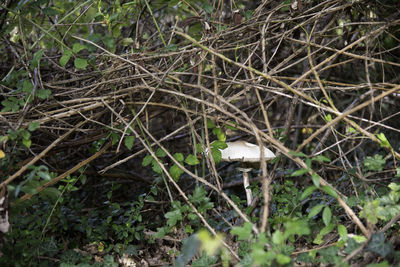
(279, 243)
(375, 163)
(180, 213)
(383, 208)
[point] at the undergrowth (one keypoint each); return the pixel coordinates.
(114, 115)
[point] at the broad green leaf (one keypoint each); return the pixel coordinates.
(299, 172)
(308, 163)
(25, 134)
(80, 63)
(33, 126)
(27, 86)
(78, 47)
(329, 190)
(315, 210)
(379, 245)
(126, 41)
(191, 160)
(43, 93)
(219, 144)
(173, 217)
(231, 125)
(315, 179)
(64, 60)
(175, 172)
(27, 142)
(216, 154)
(296, 227)
(129, 140)
(156, 167)
(210, 124)
(160, 153)
(282, 259)
(342, 232)
(278, 238)
(328, 117)
(307, 192)
(327, 216)
(50, 193)
(384, 141)
(210, 244)
(147, 160)
(243, 232)
(298, 154)
(44, 175)
(207, 7)
(321, 158)
(36, 58)
(179, 157)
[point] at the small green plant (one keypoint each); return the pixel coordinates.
(268, 250)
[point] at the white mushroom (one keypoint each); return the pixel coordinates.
(245, 152)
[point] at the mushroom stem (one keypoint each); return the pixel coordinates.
(246, 184)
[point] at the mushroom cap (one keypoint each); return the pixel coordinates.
(245, 152)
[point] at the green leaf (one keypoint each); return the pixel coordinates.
(78, 47)
(342, 232)
(327, 216)
(25, 134)
(27, 142)
(243, 232)
(210, 124)
(50, 193)
(379, 245)
(27, 86)
(297, 154)
(64, 59)
(175, 172)
(43, 93)
(207, 7)
(329, 190)
(308, 163)
(299, 172)
(219, 144)
(36, 58)
(44, 175)
(156, 167)
(282, 259)
(315, 210)
(173, 217)
(315, 179)
(147, 160)
(126, 41)
(307, 192)
(375, 163)
(220, 134)
(80, 63)
(129, 140)
(179, 157)
(160, 153)
(384, 141)
(296, 227)
(216, 155)
(231, 125)
(49, 11)
(328, 117)
(33, 126)
(191, 160)
(321, 158)
(278, 238)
